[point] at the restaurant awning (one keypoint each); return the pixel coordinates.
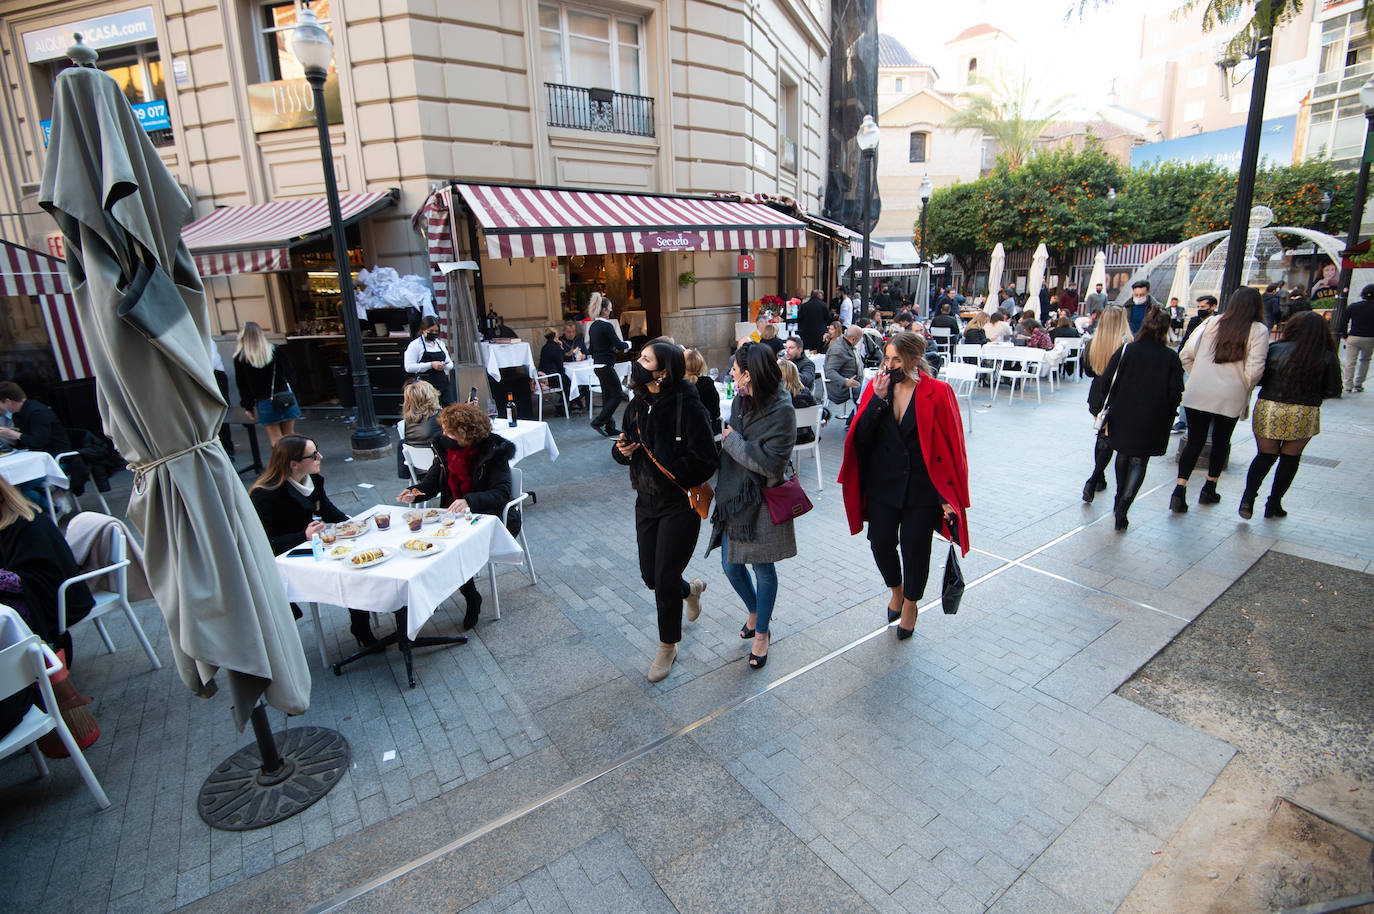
(529, 221)
(24, 271)
(856, 249)
(257, 238)
(840, 232)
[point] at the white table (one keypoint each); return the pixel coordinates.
(529, 437)
(20, 467)
(580, 373)
(637, 321)
(417, 583)
(496, 356)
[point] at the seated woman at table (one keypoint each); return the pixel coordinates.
(832, 333)
(976, 334)
(999, 328)
(801, 396)
(470, 472)
(1035, 335)
(551, 364)
(699, 376)
(34, 550)
(420, 410)
(289, 496)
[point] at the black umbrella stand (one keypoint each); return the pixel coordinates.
(272, 778)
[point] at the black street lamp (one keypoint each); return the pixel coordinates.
(926, 190)
(868, 145)
(1111, 215)
(1352, 235)
(311, 45)
(1249, 161)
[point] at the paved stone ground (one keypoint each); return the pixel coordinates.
(985, 765)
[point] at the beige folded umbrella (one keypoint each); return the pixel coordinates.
(1039, 260)
(1098, 277)
(996, 265)
(1179, 289)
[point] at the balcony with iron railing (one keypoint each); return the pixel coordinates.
(599, 110)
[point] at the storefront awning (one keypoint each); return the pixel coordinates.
(258, 238)
(24, 271)
(834, 229)
(520, 221)
(875, 249)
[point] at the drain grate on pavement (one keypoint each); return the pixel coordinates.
(1330, 462)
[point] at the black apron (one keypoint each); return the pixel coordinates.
(439, 379)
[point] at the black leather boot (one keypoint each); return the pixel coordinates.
(360, 624)
(1130, 473)
(1102, 455)
(474, 603)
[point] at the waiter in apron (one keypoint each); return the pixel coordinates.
(428, 360)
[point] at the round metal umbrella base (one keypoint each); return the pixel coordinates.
(239, 795)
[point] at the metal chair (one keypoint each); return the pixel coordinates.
(546, 384)
(25, 662)
(107, 600)
(943, 338)
(810, 417)
(518, 498)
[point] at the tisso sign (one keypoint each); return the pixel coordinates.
(131, 27)
(285, 104)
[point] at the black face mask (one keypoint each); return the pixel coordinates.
(431, 336)
(897, 374)
(641, 376)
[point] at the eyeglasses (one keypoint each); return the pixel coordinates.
(315, 456)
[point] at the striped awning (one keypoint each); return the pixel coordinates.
(841, 232)
(257, 238)
(856, 249)
(556, 222)
(900, 271)
(24, 271)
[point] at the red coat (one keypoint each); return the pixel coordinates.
(942, 445)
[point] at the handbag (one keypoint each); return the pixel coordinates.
(284, 400)
(952, 591)
(1101, 418)
(698, 496)
(786, 501)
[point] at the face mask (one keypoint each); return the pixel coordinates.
(1138, 299)
(431, 336)
(897, 374)
(641, 375)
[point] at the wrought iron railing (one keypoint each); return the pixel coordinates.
(600, 109)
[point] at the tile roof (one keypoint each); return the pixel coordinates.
(892, 53)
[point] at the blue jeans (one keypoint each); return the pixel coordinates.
(759, 592)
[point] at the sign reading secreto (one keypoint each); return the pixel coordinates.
(671, 241)
(744, 265)
(151, 116)
(129, 27)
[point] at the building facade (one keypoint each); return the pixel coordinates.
(659, 96)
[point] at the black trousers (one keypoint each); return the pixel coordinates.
(440, 381)
(1199, 422)
(667, 535)
(913, 527)
(611, 394)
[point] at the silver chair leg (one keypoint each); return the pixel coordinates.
(138, 633)
(38, 761)
(529, 559)
(495, 594)
(104, 635)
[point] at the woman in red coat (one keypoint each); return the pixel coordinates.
(905, 472)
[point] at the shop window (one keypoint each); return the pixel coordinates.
(972, 70)
(789, 122)
(918, 146)
(138, 71)
(275, 20)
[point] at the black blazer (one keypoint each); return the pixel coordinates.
(36, 551)
(40, 429)
(1143, 400)
(255, 384)
(491, 481)
(892, 466)
(285, 512)
(710, 399)
(813, 316)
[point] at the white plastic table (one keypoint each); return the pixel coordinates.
(496, 356)
(20, 467)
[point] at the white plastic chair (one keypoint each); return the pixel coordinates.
(810, 417)
(107, 600)
(1073, 355)
(964, 379)
(518, 498)
(944, 339)
(417, 459)
(545, 384)
(963, 351)
(104, 508)
(1032, 363)
(23, 663)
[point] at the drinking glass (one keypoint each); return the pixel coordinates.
(715, 374)
(329, 535)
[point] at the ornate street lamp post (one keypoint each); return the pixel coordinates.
(868, 144)
(926, 190)
(311, 45)
(1352, 235)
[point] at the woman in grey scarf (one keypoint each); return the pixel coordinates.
(755, 447)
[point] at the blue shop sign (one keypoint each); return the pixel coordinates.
(151, 116)
(1222, 147)
(129, 27)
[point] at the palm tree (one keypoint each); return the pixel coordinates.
(1006, 110)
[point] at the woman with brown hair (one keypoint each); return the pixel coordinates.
(1145, 380)
(470, 472)
(1109, 335)
(291, 503)
(905, 472)
(1300, 371)
(1224, 359)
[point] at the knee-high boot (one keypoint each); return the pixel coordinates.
(474, 603)
(1102, 455)
(1130, 473)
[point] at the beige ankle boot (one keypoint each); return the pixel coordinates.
(663, 662)
(693, 598)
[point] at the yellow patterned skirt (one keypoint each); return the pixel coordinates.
(1286, 421)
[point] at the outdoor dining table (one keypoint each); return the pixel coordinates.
(19, 467)
(529, 437)
(410, 585)
(496, 356)
(581, 373)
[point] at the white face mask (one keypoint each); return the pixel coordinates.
(1138, 299)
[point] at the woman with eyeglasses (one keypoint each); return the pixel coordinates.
(292, 505)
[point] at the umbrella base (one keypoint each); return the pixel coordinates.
(399, 639)
(240, 796)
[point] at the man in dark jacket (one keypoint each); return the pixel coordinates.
(1206, 306)
(1358, 331)
(1139, 305)
(37, 428)
(813, 316)
(796, 354)
(1271, 303)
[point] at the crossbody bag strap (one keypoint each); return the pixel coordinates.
(1121, 363)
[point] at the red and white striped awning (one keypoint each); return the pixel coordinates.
(856, 249)
(24, 271)
(257, 238)
(551, 222)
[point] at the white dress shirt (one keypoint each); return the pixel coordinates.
(414, 363)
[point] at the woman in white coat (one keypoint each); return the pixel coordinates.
(1224, 359)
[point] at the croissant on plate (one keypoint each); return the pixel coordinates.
(362, 558)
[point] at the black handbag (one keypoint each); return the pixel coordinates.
(952, 591)
(285, 399)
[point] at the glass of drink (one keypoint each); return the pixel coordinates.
(383, 520)
(414, 519)
(329, 535)
(448, 519)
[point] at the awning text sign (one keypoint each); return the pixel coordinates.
(129, 27)
(744, 265)
(671, 241)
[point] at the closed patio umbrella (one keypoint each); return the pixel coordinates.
(1179, 289)
(996, 264)
(1098, 277)
(142, 311)
(1036, 279)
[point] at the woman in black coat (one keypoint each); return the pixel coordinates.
(470, 472)
(666, 420)
(1145, 378)
(34, 549)
(605, 343)
(289, 497)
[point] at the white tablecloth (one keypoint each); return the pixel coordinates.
(637, 321)
(420, 583)
(528, 436)
(496, 356)
(580, 374)
(819, 361)
(26, 466)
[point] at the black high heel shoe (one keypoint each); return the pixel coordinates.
(905, 633)
(473, 598)
(757, 662)
(745, 633)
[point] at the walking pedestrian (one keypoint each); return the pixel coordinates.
(812, 317)
(1224, 359)
(264, 377)
(1094, 300)
(1358, 331)
(1145, 380)
(605, 342)
(905, 472)
(843, 368)
(669, 448)
(1300, 371)
(755, 446)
